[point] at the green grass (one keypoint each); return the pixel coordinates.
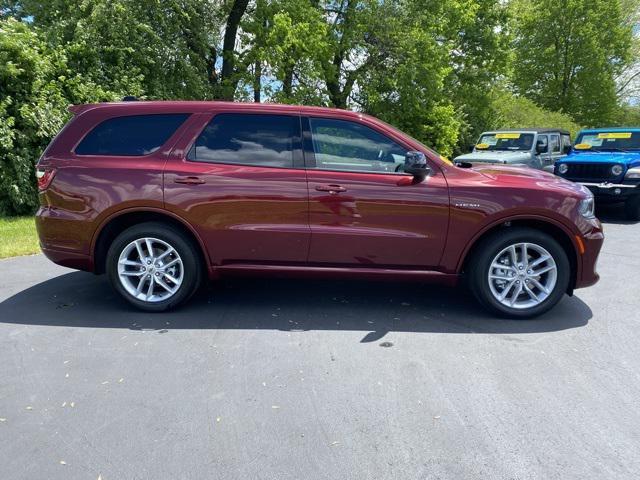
(18, 237)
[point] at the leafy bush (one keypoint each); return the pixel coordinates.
(36, 87)
(32, 110)
(511, 111)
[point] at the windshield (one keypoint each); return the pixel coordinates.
(505, 141)
(609, 141)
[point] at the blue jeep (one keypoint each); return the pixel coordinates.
(607, 161)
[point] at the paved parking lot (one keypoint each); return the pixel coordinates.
(264, 379)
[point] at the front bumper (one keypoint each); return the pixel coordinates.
(592, 243)
(616, 192)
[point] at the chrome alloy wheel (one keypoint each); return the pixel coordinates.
(523, 275)
(150, 269)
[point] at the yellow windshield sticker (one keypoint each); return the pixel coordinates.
(482, 146)
(507, 135)
(582, 146)
(615, 135)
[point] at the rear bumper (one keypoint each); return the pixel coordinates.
(63, 240)
(68, 259)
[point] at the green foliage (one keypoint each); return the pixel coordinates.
(511, 111)
(154, 48)
(628, 116)
(31, 112)
(567, 55)
(404, 82)
(441, 70)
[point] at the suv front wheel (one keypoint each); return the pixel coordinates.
(519, 273)
(153, 266)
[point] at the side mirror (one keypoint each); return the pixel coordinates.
(541, 148)
(415, 163)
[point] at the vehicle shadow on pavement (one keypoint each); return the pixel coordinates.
(80, 299)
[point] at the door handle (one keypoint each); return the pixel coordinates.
(189, 180)
(332, 189)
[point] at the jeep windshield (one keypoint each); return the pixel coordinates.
(511, 141)
(608, 141)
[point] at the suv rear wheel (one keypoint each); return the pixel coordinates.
(153, 266)
(519, 273)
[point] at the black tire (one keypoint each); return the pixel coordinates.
(188, 252)
(632, 208)
(490, 247)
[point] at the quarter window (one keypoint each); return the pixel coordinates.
(345, 145)
(133, 135)
(248, 139)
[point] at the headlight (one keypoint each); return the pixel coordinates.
(563, 168)
(586, 207)
(617, 170)
(633, 174)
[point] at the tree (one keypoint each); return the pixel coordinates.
(568, 54)
(628, 79)
(155, 48)
(32, 110)
(512, 111)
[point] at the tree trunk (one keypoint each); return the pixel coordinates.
(287, 82)
(227, 80)
(257, 79)
(337, 95)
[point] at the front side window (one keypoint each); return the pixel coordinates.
(555, 143)
(248, 139)
(131, 136)
(566, 142)
(543, 143)
(350, 146)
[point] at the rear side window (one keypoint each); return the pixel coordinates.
(133, 135)
(248, 139)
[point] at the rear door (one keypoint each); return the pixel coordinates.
(363, 210)
(238, 178)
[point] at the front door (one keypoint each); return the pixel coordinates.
(544, 154)
(239, 181)
(555, 147)
(363, 210)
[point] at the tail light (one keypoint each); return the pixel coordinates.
(45, 176)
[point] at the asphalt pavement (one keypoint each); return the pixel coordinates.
(299, 379)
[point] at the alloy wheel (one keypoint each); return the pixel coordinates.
(150, 269)
(522, 275)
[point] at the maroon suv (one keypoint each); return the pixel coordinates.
(160, 194)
